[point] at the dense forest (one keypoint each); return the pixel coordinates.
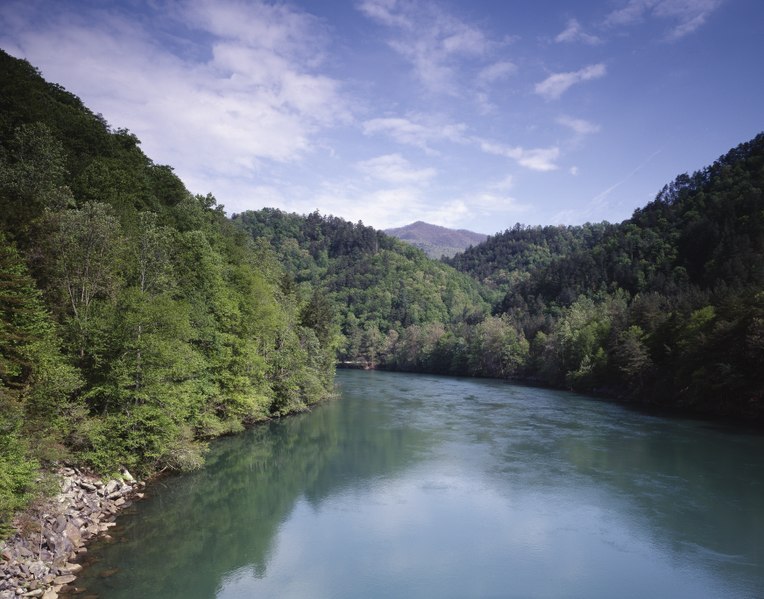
(666, 307)
(136, 320)
(385, 293)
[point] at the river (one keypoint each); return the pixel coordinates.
(426, 486)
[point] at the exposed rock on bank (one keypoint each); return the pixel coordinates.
(40, 560)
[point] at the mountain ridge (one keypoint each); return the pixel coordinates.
(436, 241)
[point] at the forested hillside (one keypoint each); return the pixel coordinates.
(135, 319)
(666, 307)
(390, 299)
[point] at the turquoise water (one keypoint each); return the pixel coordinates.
(425, 486)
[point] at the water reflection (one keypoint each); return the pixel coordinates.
(429, 486)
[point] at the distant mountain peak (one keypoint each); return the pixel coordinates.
(437, 241)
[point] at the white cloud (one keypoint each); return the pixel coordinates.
(254, 97)
(580, 126)
(504, 184)
(688, 15)
(419, 134)
(383, 208)
(424, 135)
(557, 84)
(434, 41)
(495, 72)
(574, 33)
(386, 12)
(537, 159)
(277, 28)
(487, 202)
(394, 168)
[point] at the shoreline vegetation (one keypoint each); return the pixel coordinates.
(48, 545)
(138, 321)
(665, 308)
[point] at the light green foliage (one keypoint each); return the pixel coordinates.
(632, 355)
(175, 318)
(36, 383)
(18, 472)
(497, 349)
(84, 252)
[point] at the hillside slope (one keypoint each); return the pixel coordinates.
(667, 306)
(135, 319)
(379, 286)
(436, 241)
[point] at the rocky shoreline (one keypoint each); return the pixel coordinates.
(41, 558)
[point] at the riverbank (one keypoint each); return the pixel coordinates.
(41, 559)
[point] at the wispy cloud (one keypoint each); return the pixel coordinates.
(426, 135)
(537, 159)
(395, 169)
(495, 72)
(574, 33)
(558, 83)
(687, 15)
(600, 201)
(387, 12)
(389, 206)
(432, 40)
(420, 133)
(246, 90)
(580, 126)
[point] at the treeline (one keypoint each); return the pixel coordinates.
(135, 319)
(666, 307)
(384, 291)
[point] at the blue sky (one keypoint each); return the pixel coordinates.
(472, 115)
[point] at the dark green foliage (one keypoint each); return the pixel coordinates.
(378, 287)
(135, 319)
(664, 307)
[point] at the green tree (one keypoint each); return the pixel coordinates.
(32, 179)
(84, 249)
(36, 384)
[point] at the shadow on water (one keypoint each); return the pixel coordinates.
(203, 525)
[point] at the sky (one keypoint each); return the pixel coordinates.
(467, 114)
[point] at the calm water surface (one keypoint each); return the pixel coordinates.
(423, 486)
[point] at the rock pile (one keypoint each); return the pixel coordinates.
(41, 558)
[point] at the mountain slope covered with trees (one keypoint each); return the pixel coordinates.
(135, 319)
(382, 290)
(667, 306)
(436, 241)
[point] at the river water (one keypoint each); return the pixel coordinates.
(425, 486)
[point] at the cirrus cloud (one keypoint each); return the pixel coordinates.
(394, 168)
(574, 33)
(557, 84)
(688, 15)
